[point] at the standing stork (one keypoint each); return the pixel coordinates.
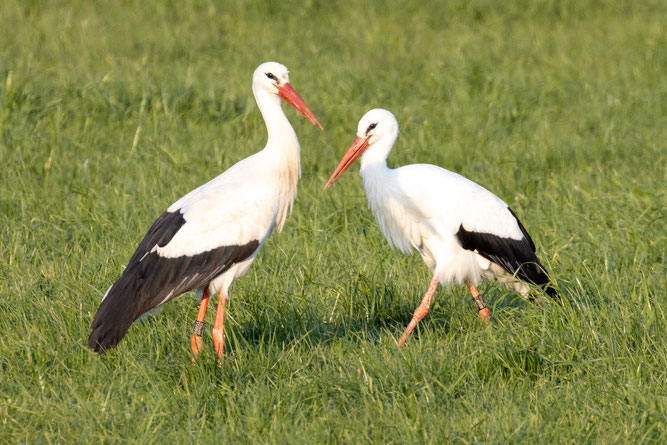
(462, 231)
(210, 236)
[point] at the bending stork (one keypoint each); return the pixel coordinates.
(462, 231)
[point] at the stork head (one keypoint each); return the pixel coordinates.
(273, 78)
(376, 134)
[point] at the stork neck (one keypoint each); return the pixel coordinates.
(281, 135)
(374, 174)
(282, 151)
(375, 156)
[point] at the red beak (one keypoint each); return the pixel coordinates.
(289, 95)
(356, 149)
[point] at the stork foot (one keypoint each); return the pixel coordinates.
(420, 312)
(219, 342)
(482, 308)
(218, 331)
(196, 338)
(198, 327)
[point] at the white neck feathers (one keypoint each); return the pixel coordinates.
(282, 149)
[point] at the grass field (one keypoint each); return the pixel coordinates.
(110, 111)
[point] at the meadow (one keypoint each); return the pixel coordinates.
(110, 111)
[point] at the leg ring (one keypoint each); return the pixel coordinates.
(479, 302)
(198, 328)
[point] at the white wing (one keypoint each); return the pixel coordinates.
(237, 207)
(448, 200)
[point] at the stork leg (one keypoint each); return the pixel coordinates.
(420, 312)
(482, 308)
(198, 327)
(218, 333)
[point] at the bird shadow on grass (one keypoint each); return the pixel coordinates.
(266, 327)
(368, 314)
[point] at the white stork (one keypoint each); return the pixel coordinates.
(210, 236)
(462, 231)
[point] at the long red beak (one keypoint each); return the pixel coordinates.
(289, 95)
(356, 149)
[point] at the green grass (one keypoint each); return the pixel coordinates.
(109, 111)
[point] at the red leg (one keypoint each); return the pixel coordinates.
(198, 328)
(218, 333)
(482, 308)
(420, 312)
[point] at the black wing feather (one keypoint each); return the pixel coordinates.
(517, 257)
(150, 280)
(161, 232)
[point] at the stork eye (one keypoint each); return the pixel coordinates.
(271, 76)
(371, 127)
